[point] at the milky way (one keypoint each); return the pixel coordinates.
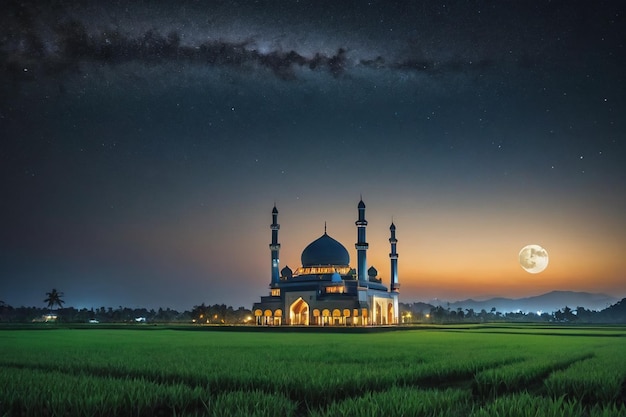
(42, 40)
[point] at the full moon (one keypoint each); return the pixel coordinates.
(533, 258)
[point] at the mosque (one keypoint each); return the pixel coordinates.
(325, 290)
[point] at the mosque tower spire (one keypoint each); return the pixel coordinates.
(274, 246)
(393, 256)
(361, 245)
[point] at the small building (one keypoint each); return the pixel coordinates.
(326, 290)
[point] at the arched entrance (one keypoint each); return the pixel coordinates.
(278, 315)
(379, 318)
(317, 319)
(299, 313)
(336, 317)
(364, 316)
(258, 314)
(390, 319)
(325, 317)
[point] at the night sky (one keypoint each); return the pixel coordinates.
(144, 144)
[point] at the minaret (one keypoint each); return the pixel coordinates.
(361, 245)
(274, 247)
(393, 256)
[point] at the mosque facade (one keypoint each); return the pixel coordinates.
(326, 290)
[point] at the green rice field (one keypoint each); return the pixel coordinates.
(448, 371)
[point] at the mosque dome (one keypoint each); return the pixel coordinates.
(286, 272)
(325, 251)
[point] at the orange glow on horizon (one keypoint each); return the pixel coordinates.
(443, 253)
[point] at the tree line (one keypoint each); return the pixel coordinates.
(202, 314)
(425, 313)
(223, 314)
(54, 311)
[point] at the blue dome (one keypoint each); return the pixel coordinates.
(325, 251)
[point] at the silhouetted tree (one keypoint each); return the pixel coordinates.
(3, 309)
(438, 314)
(584, 315)
(569, 314)
(199, 313)
(615, 313)
(54, 298)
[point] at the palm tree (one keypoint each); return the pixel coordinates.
(54, 298)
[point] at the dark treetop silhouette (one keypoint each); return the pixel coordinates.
(54, 298)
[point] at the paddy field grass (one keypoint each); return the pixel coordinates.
(439, 371)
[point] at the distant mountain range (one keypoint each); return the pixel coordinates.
(546, 303)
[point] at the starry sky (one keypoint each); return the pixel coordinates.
(144, 144)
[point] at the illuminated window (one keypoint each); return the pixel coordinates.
(316, 313)
(335, 289)
(257, 313)
(321, 270)
(346, 312)
(275, 292)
